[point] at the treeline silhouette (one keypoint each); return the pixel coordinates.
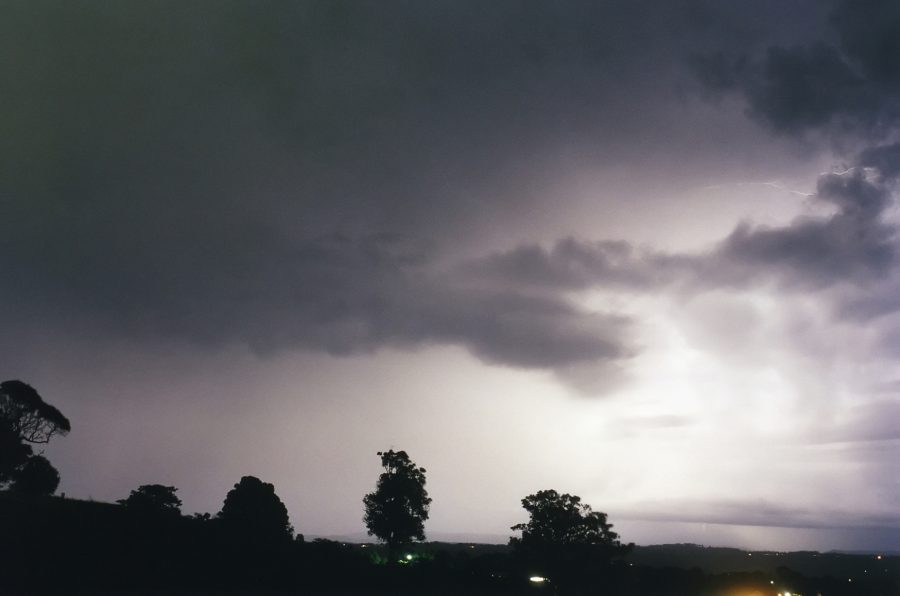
(59, 545)
(143, 542)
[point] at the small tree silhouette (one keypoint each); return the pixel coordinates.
(397, 510)
(153, 499)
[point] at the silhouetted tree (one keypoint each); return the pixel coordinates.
(565, 539)
(25, 419)
(253, 511)
(397, 510)
(27, 415)
(153, 499)
(35, 477)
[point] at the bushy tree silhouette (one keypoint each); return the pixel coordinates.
(397, 510)
(25, 419)
(153, 499)
(253, 511)
(35, 477)
(565, 539)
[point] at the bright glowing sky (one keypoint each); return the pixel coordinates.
(642, 252)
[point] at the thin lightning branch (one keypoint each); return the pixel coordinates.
(777, 185)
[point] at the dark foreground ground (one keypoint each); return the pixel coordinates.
(55, 546)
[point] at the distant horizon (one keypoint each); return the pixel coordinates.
(823, 539)
(789, 543)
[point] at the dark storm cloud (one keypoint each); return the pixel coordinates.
(791, 88)
(336, 294)
(869, 32)
(260, 173)
(222, 173)
(848, 82)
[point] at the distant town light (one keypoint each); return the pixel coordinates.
(537, 579)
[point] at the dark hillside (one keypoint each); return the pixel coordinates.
(58, 545)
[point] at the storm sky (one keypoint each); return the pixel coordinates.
(642, 252)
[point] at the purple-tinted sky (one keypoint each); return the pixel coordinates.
(642, 252)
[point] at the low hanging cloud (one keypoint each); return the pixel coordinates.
(569, 264)
(340, 295)
(852, 245)
(760, 512)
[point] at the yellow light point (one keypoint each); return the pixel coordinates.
(878, 557)
(537, 579)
